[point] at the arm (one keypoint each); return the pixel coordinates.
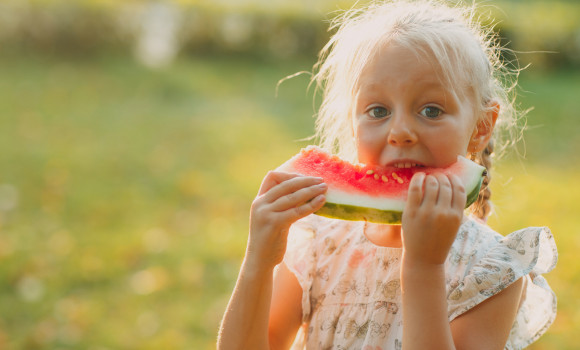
(245, 322)
(425, 322)
(286, 308)
(283, 199)
(430, 223)
(486, 326)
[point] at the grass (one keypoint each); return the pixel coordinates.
(124, 193)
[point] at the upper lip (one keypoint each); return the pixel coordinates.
(404, 162)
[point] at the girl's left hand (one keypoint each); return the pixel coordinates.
(432, 216)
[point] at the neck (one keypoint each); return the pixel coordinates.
(383, 235)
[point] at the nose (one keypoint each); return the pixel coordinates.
(402, 131)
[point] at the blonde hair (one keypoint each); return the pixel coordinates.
(467, 53)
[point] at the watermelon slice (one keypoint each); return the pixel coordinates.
(372, 193)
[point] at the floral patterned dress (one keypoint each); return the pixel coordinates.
(352, 291)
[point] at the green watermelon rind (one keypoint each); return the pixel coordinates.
(390, 217)
(353, 213)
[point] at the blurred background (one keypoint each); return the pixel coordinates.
(134, 136)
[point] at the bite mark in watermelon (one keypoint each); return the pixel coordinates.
(372, 193)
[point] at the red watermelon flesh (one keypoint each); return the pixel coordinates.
(372, 193)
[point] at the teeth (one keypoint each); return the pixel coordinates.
(405, 165)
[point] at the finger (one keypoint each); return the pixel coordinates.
(415, 194)
(305, 209)
(274, 178)
(459, 195)
(291, 186)
(294, 199)
(445, 192)
(431, 190)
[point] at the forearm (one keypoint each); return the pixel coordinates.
(425, 320)
(245, 323)
(283, 199)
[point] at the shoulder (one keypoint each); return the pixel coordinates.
(490, 261)
(481, 262)
(477, 244)
(487, 271)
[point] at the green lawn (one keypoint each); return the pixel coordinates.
(124, 193)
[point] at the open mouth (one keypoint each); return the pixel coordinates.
(407, 165)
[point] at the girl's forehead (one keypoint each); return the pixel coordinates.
(416, 63)
(397, 63)
(401, 72)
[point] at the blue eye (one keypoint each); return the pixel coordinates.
(431, 112)
(379, 112)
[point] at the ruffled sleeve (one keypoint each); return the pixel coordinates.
(492, 264)
(300, 257)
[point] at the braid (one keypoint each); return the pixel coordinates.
(482, 207)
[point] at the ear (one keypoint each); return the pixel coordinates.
(484, 128)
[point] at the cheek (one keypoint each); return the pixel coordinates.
(368, 143)
(446, 149)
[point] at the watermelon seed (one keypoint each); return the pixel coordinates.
(396, 177)
(384, 178)
(376, 176)
(370, 172)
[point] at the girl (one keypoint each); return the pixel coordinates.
(406, 84)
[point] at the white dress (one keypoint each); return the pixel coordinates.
(352, 290)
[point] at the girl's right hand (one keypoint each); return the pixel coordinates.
(283, 199)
